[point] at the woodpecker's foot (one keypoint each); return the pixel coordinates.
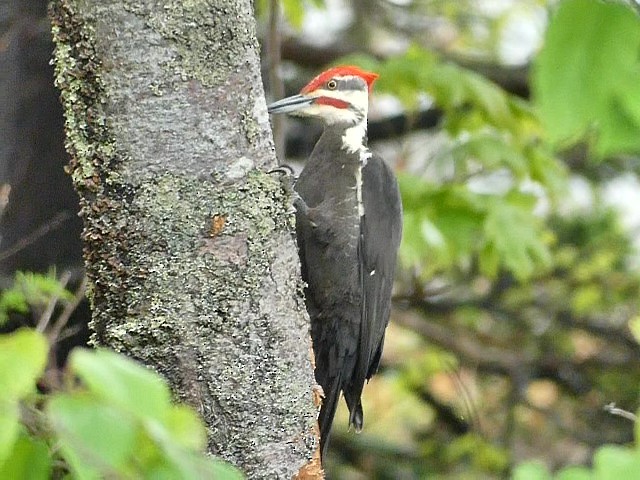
(283, 169)
(288, 180)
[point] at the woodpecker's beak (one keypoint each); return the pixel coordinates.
(290, 104)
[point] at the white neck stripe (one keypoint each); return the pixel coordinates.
(353, 140)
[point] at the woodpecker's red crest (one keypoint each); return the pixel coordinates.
(337, 72)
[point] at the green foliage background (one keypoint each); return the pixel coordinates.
(513, 303)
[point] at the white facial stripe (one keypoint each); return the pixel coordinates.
(331, 115)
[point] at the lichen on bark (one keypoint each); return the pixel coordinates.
(188, 242)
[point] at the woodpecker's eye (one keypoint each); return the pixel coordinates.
(332, 84)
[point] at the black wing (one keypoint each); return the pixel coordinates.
(380, 234)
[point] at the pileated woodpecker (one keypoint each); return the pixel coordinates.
(348, 226)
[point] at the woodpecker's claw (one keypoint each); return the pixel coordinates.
(287, 180)
(283, 169)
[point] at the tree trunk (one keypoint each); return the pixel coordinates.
(188, 242)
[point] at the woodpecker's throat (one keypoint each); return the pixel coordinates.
(354, 140)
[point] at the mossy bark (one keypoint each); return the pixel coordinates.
(188, 242)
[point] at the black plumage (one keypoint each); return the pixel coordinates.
(348, 262)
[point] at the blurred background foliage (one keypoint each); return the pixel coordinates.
(514, 127)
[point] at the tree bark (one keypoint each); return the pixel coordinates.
(188, 242)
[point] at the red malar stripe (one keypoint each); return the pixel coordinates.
(334, 102)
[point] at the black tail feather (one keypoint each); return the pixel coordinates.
(356, 418)
(327, 412)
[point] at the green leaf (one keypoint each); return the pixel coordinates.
(531, 471)
(511, 228)
(31, 289)
(586, 298)
(484, 455)
(616, 463)
(586, 75)
(126, 409)
(29, 459)
(491, 150)
(23, 356)
(634, 327)
(96, 439)
(39, 288)
(619, 132)
(403, 76)
(185, 428)
(489, 260)
(12, 300)
(224, 471)
(490, 98)
(121, 381)
(180, 462)
(460, 226)
(294, 12)
(188, 465)
(636, 425)
(632, 106)
(574, 473)
(442, 224)
(9, 426)
(445, 225)
(547, 170)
